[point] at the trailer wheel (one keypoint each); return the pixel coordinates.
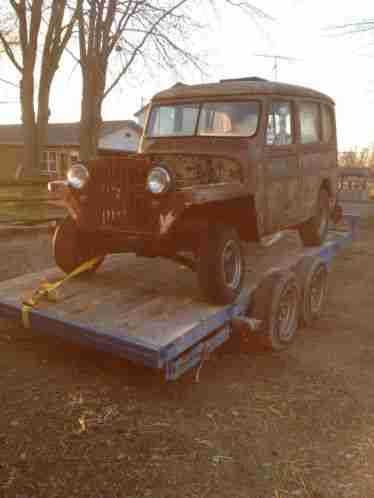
(70, 249)
(312, 275)
(276, 304)
(313, 232)
(221, 265)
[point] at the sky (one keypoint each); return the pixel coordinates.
(340, 66)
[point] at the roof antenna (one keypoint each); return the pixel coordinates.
(276, 58)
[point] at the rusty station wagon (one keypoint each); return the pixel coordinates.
(218, 164)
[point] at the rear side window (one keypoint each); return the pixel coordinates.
(279, 127)
(309, 122)
(328, 133)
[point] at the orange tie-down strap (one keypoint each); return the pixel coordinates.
(48, 290)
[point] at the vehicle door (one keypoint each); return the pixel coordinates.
(311, 154)
(281, 168)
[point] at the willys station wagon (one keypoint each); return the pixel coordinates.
(218, 164)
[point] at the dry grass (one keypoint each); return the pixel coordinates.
(30, 212)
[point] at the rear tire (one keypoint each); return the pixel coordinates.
(313, 232)
(312, 275)
(70, 250)
(276, 304)
(221, 265)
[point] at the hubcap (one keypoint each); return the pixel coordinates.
(317, 290)
(232, 264)
(287, 313)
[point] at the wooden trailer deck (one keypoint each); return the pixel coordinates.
(147, 310)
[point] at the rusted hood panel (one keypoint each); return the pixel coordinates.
(233, 147)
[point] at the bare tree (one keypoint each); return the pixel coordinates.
(357, 158)
(363, 26)
(43, 31)
(152, 31)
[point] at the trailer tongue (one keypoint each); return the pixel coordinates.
(151, 312)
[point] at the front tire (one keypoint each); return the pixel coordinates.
(70, 250)
(314, 231)
(221, 265)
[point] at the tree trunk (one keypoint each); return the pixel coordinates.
(91, 120)
(94, 78)
(43, 112)
(31, 153)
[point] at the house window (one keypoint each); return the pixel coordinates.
(49, 162)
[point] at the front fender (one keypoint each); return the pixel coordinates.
(172, 207)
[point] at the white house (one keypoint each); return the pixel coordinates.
(120, 135)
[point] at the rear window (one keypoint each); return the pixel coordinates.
(328, 133)
(309, 122)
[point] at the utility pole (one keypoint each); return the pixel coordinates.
(276, 58)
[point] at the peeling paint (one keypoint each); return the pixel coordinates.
(166, 221)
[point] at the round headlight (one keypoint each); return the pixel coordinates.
(78, 176)
(159, 180)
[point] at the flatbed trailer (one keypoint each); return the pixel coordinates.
(149, 310)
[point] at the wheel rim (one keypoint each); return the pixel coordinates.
(232, 264)
(286, 316)
(317, 290)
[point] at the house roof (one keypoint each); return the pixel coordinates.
(238, 87)
(64, 133)
(142, 109)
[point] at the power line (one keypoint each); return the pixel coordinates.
(277, 58)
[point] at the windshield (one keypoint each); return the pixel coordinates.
(215, 119)
(173, 120)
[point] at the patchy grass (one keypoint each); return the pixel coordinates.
(29, 212)
(21, 192)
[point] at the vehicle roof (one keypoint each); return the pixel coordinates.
(240, 87)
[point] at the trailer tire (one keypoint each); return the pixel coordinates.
(220, 265)
(70, 249)
(276, 305)
(312, 274)
(313, 232)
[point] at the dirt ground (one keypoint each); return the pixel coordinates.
(299, 423)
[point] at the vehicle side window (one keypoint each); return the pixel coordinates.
(279, 126)
(309, 122)
(327, 124)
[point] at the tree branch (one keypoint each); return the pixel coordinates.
(142, 43)
(9, 52)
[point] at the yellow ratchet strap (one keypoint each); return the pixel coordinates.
(46, 289)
